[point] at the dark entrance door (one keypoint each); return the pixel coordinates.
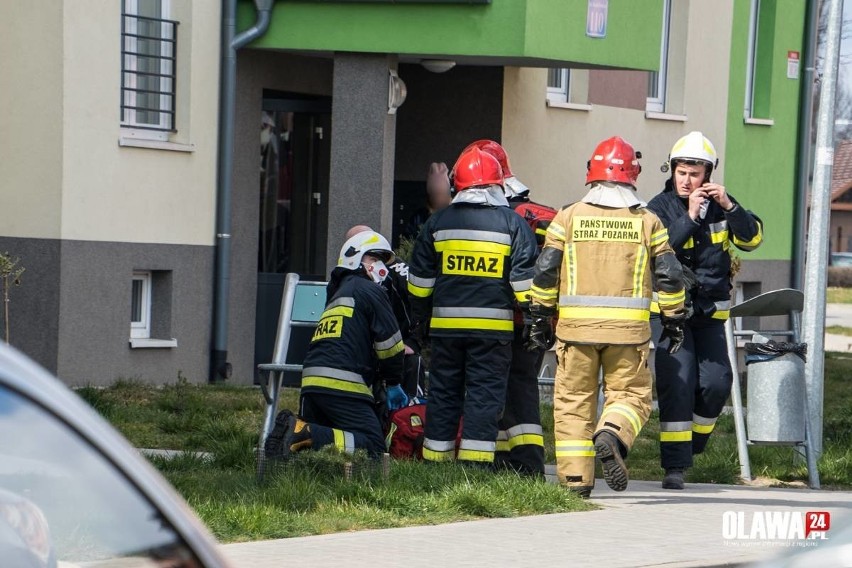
(293, 194)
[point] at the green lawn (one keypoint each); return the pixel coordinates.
(774, 464)
(839, 330)
(839, 295)
(310, 495)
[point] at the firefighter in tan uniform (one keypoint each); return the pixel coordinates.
(596, 269)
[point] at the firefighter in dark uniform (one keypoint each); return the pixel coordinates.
(703, 221)
(520, 439)
(472, 264)
(396, 286)
(357, 342)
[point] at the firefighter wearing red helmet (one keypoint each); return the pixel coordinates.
(704, 221)
(471, 265)
(520, 440)
(595, 271)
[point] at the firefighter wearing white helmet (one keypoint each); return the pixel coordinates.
(356, 345)
(703, 221)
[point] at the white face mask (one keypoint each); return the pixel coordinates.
(377, 271)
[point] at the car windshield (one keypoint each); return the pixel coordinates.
(62, 501)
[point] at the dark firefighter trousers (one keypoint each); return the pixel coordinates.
(467, 376)
(692, 388)
(346, 422)
(520, 440)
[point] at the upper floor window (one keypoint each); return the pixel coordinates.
(558, 83)
(657, 80)
(568, 87)
(148, 66)
(761, 31)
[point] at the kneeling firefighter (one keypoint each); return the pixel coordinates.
(357, 343)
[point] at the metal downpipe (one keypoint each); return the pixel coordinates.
(220, 368)
(804, 146)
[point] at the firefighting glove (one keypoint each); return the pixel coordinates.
(538, 333)
(673, 330)
(396, 397)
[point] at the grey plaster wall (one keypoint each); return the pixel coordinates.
(94, 312)
(363, 145)
(34, 305)
(760, 276)
(257, 70)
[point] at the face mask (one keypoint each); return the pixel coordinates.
(377, 271)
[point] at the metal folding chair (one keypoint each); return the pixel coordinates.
(302, 304)
(784, 302)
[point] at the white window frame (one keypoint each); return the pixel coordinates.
(751, 61)
(142, 327)
(560, 94)
(657, 103)
(130, 127)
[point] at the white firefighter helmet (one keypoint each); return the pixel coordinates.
(365, 242)
(694, 147)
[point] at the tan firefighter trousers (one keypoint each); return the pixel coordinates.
(627, 403)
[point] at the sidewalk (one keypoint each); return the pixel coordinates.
(644, 526)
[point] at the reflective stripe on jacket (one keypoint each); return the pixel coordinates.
(356, 334)
(597, 268)
(471, 265)
(704, 246)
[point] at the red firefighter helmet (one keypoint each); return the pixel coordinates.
(476, 168)
(614, 160)
(496, 150)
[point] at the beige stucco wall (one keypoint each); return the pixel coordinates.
(549, 147)
(128, 194)
(31, 128)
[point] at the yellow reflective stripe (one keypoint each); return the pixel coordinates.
(390, 351)
(476, 455)
(575, 448)
(659, 237)
(522, 296)
(631, 415)
(689, 244)
(503, 446)
(629, 314)
(655, 307)
(670, 298)
(526, 439)
(639, 271)
(418, 291)
(453, 245)
(719, 237)
(433, 455)
(544, 293)
(540, 231)
(344, 441)
(676, 436)
(336, 384)
(703, 428)
(472, 323)
(721, 314)
(339, 311)
(571, 253)
(756, 240)
(556, 231)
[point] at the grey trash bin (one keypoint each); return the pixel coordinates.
(776, 388)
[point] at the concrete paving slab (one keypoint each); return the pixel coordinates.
(644, 526)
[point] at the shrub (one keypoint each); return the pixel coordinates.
(840, 276)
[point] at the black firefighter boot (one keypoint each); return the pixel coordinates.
(608, 449)
(673, 478)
